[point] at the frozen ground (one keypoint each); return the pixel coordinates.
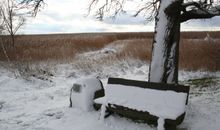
(36, 104)
(41, 102)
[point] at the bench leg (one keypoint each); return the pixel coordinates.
(103, 110)
(160, 123)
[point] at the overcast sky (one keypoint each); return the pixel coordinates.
(69, 16)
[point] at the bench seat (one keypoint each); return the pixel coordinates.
(145, 101)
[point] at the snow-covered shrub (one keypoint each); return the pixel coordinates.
(39, 71)
(82, 93)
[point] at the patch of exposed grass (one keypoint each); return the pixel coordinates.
(203, 82)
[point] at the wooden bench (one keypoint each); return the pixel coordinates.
(144, 101)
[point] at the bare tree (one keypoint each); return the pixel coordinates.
(33, 5)
(12, 19)
(168, 14)
(14, 13)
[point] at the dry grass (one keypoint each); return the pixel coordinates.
(54, 48)
(136, 48)
(60, 46)
(195, 52)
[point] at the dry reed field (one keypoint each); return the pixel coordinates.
(197, 51)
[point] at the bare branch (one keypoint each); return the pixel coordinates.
(34, 5)
(199, 10)
(12, 19)
(111, 7)
(148, 6)
(21, 23)
(92, 3)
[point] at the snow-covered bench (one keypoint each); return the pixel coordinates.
(144, 101)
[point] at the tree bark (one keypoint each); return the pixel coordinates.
(165, 54)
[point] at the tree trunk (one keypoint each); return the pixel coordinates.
(4, 50)
(165, 54)
(13, 40)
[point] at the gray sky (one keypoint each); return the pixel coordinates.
(69, 16)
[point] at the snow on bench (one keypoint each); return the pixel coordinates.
(161, 100)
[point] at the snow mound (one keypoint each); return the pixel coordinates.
(107, 51)
(82, 93)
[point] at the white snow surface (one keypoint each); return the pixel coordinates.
(165, 104)
(106, 51)
(35, 104)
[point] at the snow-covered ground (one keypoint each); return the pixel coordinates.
(42, 102)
